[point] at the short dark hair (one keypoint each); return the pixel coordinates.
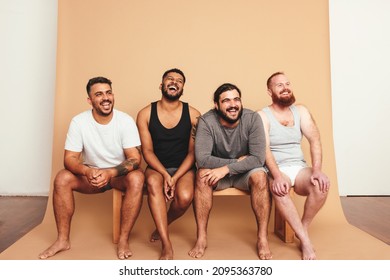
(174, 70)
(97, 80)
(273, 75)
(223, 88)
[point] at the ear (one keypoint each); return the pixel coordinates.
(89, 100)
(269, 92)
(160, 87)
(215, 105)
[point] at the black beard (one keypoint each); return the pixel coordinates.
(171, 97)
(284, 102)
(226, 118)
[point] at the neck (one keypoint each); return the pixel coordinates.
(227, 124)
(102, 119)
(278, 108)
(169, 105)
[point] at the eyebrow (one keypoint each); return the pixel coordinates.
(102, 91)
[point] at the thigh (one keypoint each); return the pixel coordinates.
(242, 181)
(66, 179)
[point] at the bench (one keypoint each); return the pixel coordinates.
(281, 227)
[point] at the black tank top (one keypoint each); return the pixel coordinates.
(170, 145)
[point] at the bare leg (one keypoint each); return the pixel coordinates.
(289, 212)
(63, 204)
(203, 201)
(132, 184)
(315, 198)
(184, 194)
(314, 202)
(157, 205)
(261, 205)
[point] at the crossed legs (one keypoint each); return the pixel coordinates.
(315, 199)
(158, 206)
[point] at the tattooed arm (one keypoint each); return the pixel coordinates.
(132, 162)
(102, 177)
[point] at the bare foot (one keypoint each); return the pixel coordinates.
(307, 249)
(57, 247)
(155, 236)
(308, 252)
(124, 250)
(198, 250)
(167, 253)
(263, 250)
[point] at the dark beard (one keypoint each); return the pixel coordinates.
(284, 102)
(226, 118)
(171, 97)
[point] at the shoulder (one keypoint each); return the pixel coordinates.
(263, 115)
(305, 116)
(302, 109)
(83, 116)
(122, 117)
(250, 114)
(194, 113)
(144, 112)
(210, 114)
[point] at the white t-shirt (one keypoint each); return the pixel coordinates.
(102, 145)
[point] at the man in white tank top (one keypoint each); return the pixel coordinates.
(284, 124)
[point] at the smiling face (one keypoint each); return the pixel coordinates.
(280, 91)
(102, 99)
(172, 86)
(229, 108)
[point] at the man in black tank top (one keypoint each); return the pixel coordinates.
(166, 129)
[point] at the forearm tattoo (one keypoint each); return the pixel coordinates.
(126, 166)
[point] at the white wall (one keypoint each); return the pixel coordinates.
(360, 60)
(28, 32)
(360, 55)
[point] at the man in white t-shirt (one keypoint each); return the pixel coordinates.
(108, 143)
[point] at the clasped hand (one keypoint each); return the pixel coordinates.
(98, 177)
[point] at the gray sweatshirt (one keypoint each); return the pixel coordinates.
(217, 146)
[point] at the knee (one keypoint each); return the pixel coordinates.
(135, 180)
(64, 178)
(184, 198)
(199, 180)
(318, 193)
(153, 184)
(259, 180)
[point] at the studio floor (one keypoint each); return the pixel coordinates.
(231, 235)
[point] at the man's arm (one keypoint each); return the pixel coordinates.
(148, 151)
(256, 148)
(73, 163)
(189, 160)
(147, 142)
(132, 162)
(204, 142)
(280, 186)
(311, 132)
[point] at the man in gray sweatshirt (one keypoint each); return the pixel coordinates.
(230, 150)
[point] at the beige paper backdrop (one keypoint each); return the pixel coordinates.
(243, 42)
